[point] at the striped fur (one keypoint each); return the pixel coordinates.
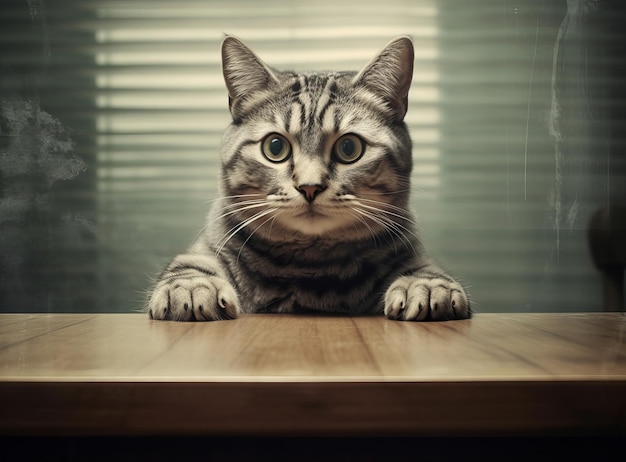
(314, 227)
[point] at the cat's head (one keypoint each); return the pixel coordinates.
(320, 152)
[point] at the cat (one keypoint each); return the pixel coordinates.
(314, 208)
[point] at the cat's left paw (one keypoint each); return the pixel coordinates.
(414, 298)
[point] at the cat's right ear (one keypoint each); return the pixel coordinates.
(247, 77)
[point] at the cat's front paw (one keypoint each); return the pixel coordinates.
(415, 298)
(193, 297)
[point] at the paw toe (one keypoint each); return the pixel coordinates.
(159, 304)
(395, 303)
(203, 300)
(180, 302)
(440, 303)
(227, 303)
(418, 302)
(459, 304)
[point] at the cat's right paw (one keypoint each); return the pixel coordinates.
(194, 297)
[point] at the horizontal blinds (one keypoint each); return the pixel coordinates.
(501, 203)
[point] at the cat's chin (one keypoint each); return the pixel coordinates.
(315, 224)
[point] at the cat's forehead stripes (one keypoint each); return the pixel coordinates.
(325, 104)
(312, 95)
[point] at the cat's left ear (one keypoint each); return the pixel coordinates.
(389, 75)
(245, 74)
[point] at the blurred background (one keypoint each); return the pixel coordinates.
(111, 114)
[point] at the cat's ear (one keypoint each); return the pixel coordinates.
(389, 75)
(244, 72)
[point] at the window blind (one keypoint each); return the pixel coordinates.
(507, 113)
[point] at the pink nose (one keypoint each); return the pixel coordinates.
(310, 191)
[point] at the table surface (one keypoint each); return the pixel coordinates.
(297, 374)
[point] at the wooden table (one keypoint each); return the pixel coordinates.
(496, 374)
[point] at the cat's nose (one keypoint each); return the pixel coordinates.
(310, 191)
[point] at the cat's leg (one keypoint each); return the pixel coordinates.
(193, 288)
(426, 294)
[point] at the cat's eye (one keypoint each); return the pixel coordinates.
(276, 148)
(348, 149)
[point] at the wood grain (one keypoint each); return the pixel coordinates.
(301, 375)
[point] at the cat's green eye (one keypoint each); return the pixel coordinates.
(276, 148)
(348, 149)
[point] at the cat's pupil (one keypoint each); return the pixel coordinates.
(348, 147)
(276, 146)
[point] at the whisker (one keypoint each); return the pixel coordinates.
(392, 227)
(224, 215)
(246, 206)
(387, 226)
(269, 232)
(410, 220)
(233, 205)
(369, 228)
(387, 212)
(236, 196)
(389, 217)
(407, 230)
(235, 229)
(395, 211)
(403, 213)
(252, 233)
(390, 193)
(240, 203)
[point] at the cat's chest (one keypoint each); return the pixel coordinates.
(332, 280)
(310, 261)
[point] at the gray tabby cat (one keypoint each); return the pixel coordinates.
(314, 213)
